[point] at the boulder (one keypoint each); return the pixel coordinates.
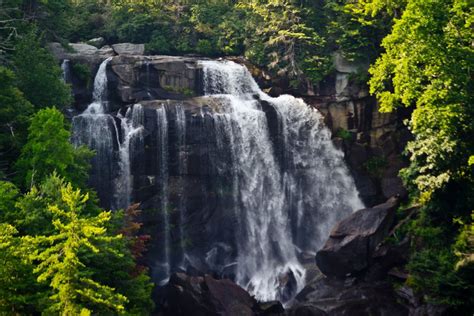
(354, 239)
(205, 295)
(96, 42)
(106, 50)
(57, 50)
(348, 297)
(83, 49)
(129, 49)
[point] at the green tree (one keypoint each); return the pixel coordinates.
(8, 196)
(122, 272)
(19, 293)
(427, 65)
(48, 149)
(14, 112)
(60, 263)
(38, 74)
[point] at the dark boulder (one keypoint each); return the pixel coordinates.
(205, 295)
(354, 239)
(346, 297)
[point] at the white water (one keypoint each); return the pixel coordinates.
(314, 186)
(162, 145)
(132, 130)
(65, 67)
(286, 193)
(99, 131)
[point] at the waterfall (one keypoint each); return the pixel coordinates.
(65, 67)
(131, 125)
(99, 131)
(285, 204)
(238, 183)
(182, 169)
(163, 266)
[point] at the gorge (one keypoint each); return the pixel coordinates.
(232, 181)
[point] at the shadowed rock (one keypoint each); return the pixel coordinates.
(352, 242)
(204, 295)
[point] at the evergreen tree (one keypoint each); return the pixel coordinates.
(39, 75)
(14, 112)
(60, 263)
(20, 294)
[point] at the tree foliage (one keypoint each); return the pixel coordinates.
(48, 150)
(14, 113)
(39, 76)
(59, 260)
(427, 65)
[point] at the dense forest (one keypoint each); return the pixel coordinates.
(62, 254)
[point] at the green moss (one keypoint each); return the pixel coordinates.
(344, 134)
(179, 90)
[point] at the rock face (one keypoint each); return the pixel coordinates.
(372, 141)
(356, 264)
(168, 91)
(336, 297)
(206, 296)
(129, 49)
(135, 78)
(354, 239)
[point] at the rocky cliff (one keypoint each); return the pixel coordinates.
(193, 141)
(372, 141)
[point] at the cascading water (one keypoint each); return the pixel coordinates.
(99, 131)
(243, 188)
(284, 205)
(66, 70)
(131, 125)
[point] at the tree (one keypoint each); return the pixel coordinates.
(30, 214)
(427, 65)
(124, 273)
(14, 112)
(60, 261)
(48, 149)
(8, 195)
(19, 293)
(38, 74)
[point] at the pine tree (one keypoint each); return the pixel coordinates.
(59, 262)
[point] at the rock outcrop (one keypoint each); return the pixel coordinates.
(134, 78)
(207, 296)
(372, 141)
(346, 297)
(356, 263)
(352, 242)
(129, 49)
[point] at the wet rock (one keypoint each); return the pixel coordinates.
(354, 239)
(186, 295)
(135, 78)
(270, 308)
(338, 297)
(129, 49)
